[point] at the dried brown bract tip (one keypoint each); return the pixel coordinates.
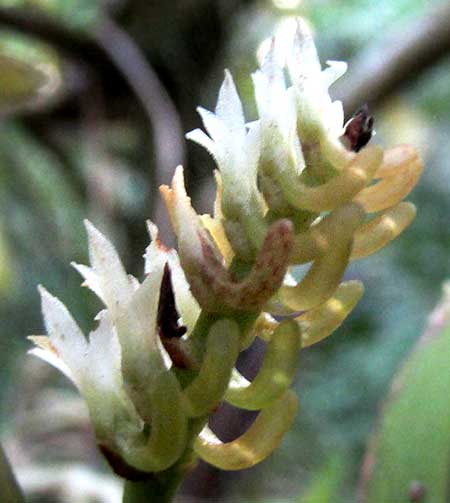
(358, 130)
(167, 312)
(170, 330)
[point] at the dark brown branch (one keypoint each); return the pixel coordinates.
(129, 59)
(382, 70)
(168, 137)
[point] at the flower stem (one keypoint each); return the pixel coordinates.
(160, 488)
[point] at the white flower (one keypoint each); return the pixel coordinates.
(235, 148)
(93, 365)
(122, 369)
(320, 120)
(281, 156)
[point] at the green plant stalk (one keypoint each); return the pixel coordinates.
(9, 488)
(160, 488)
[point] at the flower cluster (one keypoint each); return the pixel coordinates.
(296, 186)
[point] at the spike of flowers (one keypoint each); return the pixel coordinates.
(293, 187)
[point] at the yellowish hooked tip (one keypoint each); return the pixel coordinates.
(319, 323)
(381, 230)
(390, 190)
(258, 442)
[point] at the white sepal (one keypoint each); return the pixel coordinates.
(64, 335)
(229, 107)
(51, 357)
(107, 275)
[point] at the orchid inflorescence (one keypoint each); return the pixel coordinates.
(294, 187)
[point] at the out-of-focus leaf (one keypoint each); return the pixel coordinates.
(48, 191)
(410, 457)
(30, 74)
(326, 483)
(7, 271)
(20, 82)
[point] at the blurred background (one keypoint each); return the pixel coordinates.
(94, 99)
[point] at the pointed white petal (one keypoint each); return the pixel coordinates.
(111, 409)
(229, 106)
(134, 282)
(198, 136)
(113, 281)
(251, 157)
(104, 357)
(156, 254)
(187, 306)
(334, 71)
(303, 62)
(262, 93)
(154, 249)
(269, 85)
(104, 374)
(64, 334)
(144, 305)
(217, 129)
(137, 331)
(91, 279)
(270, 60)
(51, 358)
(142, 360)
